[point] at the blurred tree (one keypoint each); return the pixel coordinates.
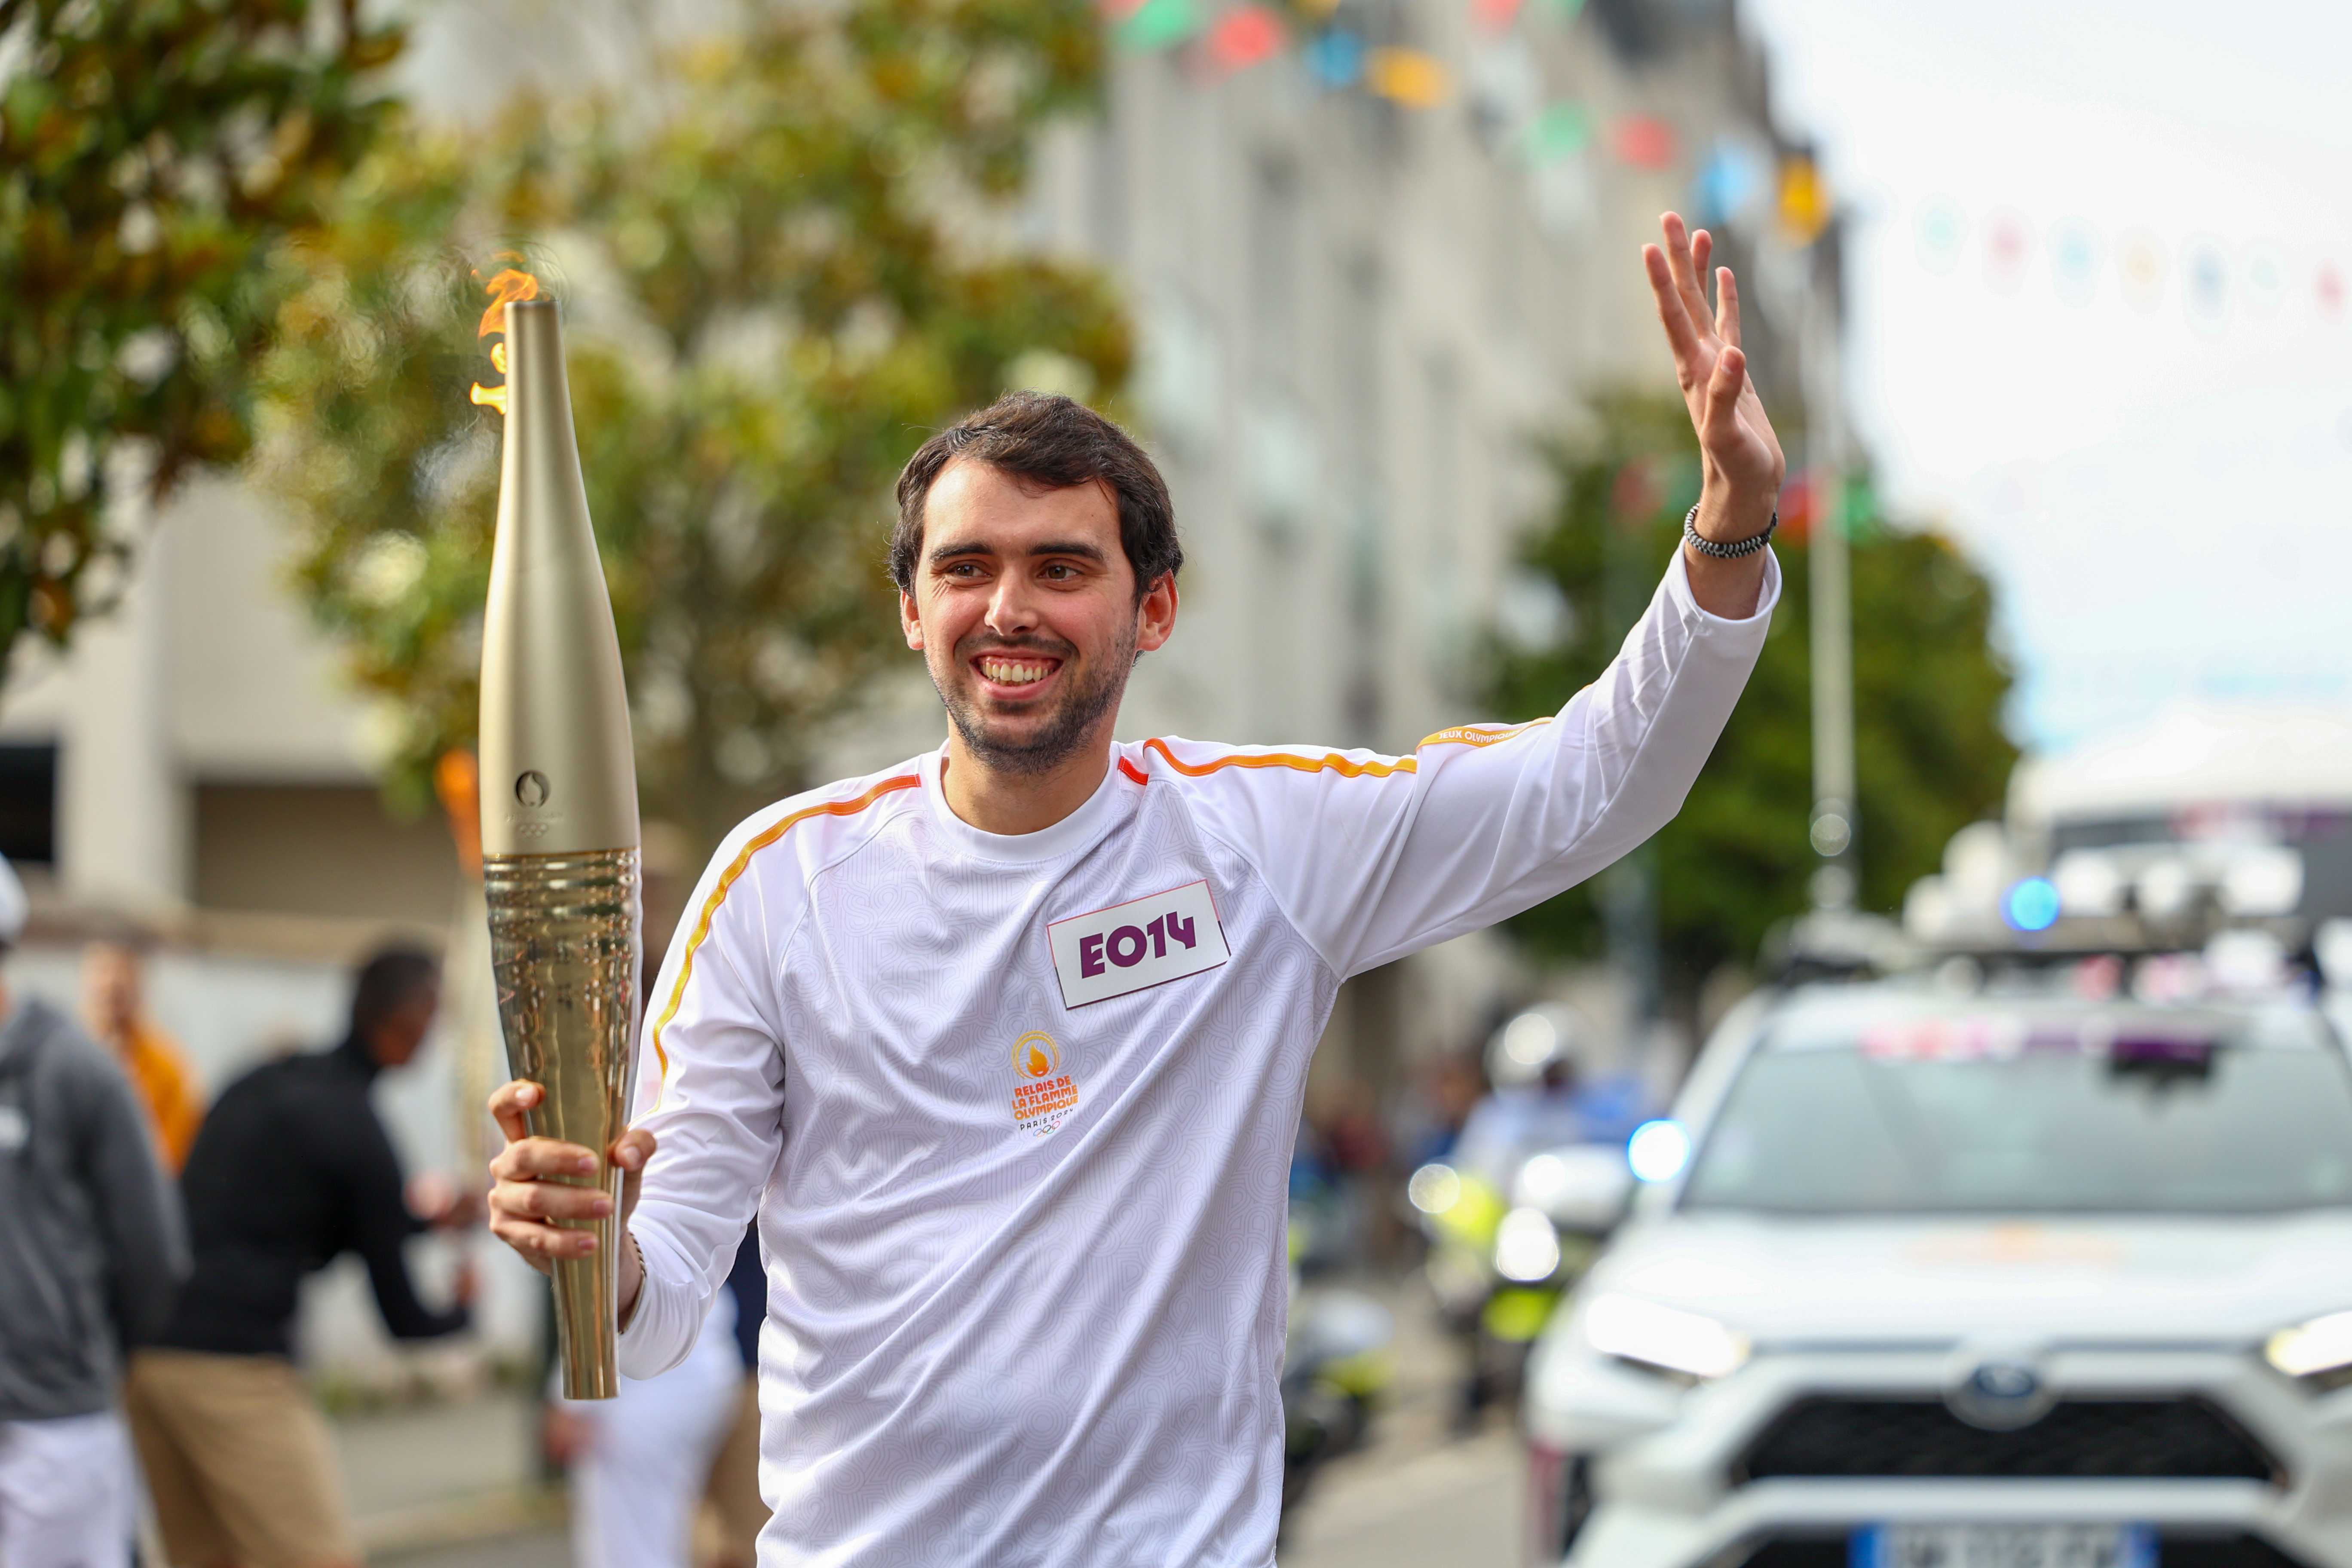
(152, 158)
(784, 258)
(1928, 692)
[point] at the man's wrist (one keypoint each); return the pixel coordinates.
(1727, 517)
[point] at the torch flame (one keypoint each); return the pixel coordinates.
(1038, 1065)
(506, 285)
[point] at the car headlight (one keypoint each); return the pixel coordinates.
(1666, 1339)
(1526, 1248)
(2318, 1353)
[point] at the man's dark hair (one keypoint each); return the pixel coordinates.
(387, 981)
(1051, 442)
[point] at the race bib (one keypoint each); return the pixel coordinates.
(1136, 945)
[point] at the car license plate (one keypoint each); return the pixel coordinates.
(2004, 1546)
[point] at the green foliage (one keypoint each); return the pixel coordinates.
(773, 294)
(1928, 692)
(153, 155)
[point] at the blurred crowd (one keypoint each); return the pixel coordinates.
(153, 1251)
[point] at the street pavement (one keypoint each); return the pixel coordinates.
(1418, 1495)
(451, 1487)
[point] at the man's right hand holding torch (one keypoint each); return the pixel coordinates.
(529, 1194)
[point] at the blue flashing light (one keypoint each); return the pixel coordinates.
(2031, 904)
(1658, 1151)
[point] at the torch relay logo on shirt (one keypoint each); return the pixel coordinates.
(1043, 1094)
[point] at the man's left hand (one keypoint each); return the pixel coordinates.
(1740, 457)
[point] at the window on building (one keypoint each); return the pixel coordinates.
(1273, 270)
(319, 850)
(28, 803)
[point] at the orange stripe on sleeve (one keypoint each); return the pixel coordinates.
(1459, 735)
(1329, 762)
(766, 836)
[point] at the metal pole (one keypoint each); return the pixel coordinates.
(1836, 880)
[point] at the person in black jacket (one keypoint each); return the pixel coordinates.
(292, 1168)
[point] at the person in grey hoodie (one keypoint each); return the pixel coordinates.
(92, 1250)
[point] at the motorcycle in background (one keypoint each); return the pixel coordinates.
(1501, 1263)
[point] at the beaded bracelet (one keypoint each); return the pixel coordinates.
(1733, 551)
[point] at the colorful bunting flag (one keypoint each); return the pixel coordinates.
(1409, 76)
(1803, 200)
(1493, 16)
(2266, 282)
(1729, 182)
(1943, 228)
(1336, 58)
(1244, 36)
(1643, 141)
(1558, 130)
(1159, 25)
(2205, 281)
(2009, 240)
(2141, 267)
(2074, 261)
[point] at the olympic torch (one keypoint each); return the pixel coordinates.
(558, 793)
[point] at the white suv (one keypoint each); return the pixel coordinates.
(1959, 1276)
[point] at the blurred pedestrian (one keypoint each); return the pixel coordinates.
(92, 1248)
(114, 1008)
(1439, 1100)
(639, 1460)
(1545, 1096)
(291, 1169)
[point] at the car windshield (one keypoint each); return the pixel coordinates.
(2012, 1110)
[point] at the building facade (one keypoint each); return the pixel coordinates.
(1357, 318)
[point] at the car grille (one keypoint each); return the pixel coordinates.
(2172, 1551)
(2151, 1439)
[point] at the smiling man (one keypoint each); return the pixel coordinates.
(1004, 1048)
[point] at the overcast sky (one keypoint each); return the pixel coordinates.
(2163, 492)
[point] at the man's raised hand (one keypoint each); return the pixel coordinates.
(1743, 467)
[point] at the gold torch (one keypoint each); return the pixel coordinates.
(558, 791)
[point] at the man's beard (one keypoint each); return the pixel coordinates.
(1083, 705)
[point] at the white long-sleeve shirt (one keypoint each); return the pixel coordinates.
(1016, 1112)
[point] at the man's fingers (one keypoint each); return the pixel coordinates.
(535, 1159)
(1702, 248)
(549, 1200)
(633, 1149)
(1685, 275)
(543, 1244)
(1726, 306)
(1681, 335)
(509, 1100)
(1723, 391)
(630, 1152)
